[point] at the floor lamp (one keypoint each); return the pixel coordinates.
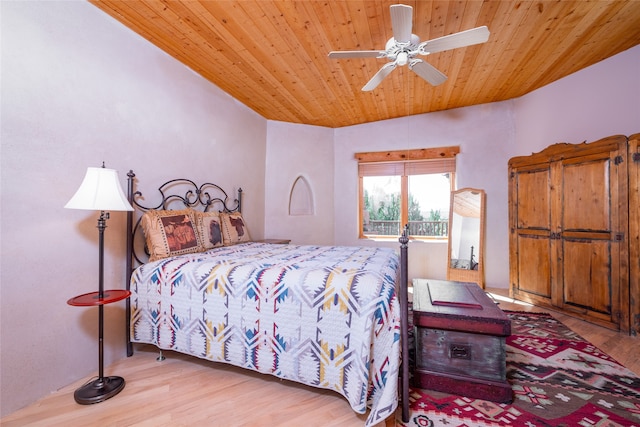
(101, 191)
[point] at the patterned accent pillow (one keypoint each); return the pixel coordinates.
(170, 233)
(210, 229)
(234, 228)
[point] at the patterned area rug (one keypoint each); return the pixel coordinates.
(558, 379)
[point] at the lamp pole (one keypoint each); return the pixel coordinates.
(100, 191)
(102, 225)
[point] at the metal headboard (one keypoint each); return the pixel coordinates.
(181, 193)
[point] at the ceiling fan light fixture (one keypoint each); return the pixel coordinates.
(403, 58)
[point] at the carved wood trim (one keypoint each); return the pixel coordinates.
(407, 155)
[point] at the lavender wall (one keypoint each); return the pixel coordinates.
(484, 134)
(295, 150)
(77, 89)
(599, 101)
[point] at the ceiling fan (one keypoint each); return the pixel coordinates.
(403, 47)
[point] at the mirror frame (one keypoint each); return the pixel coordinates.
(459, 274)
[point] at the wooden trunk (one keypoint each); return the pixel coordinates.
(460, 340)
(569, 218)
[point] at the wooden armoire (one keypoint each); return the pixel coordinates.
(574, 242)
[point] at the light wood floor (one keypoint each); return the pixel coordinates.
(185, 391)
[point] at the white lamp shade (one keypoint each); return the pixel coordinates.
(100, 191)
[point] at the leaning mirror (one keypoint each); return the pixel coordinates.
(466, 236)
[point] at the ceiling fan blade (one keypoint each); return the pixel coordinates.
(401, 22)
(427, 72)
(344, 54)
(453, 41)
(379, 76)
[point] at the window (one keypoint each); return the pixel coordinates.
(406, 187)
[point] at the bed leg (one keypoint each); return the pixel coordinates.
(160, 357)
(403, 295)
(129, 263)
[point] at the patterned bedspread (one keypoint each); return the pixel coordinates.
(325, 316)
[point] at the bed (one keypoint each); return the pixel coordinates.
(331, 317)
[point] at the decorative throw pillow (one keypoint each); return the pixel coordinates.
(170, 233)
(234, 229)
(210, 229)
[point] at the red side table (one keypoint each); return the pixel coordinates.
(93, 298)
(102, 388)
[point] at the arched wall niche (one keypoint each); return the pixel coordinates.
(301, 198)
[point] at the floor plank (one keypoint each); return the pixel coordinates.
(185, 391)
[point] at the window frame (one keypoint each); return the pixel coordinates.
(434, 160)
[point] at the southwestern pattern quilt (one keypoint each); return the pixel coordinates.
(325, 316)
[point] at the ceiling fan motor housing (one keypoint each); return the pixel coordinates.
(394, 49)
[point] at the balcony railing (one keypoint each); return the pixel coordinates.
(416, 228)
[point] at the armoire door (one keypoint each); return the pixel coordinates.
(633, 293)
(531, 243)
(591, 234)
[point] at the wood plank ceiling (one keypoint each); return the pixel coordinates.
(272, 55)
